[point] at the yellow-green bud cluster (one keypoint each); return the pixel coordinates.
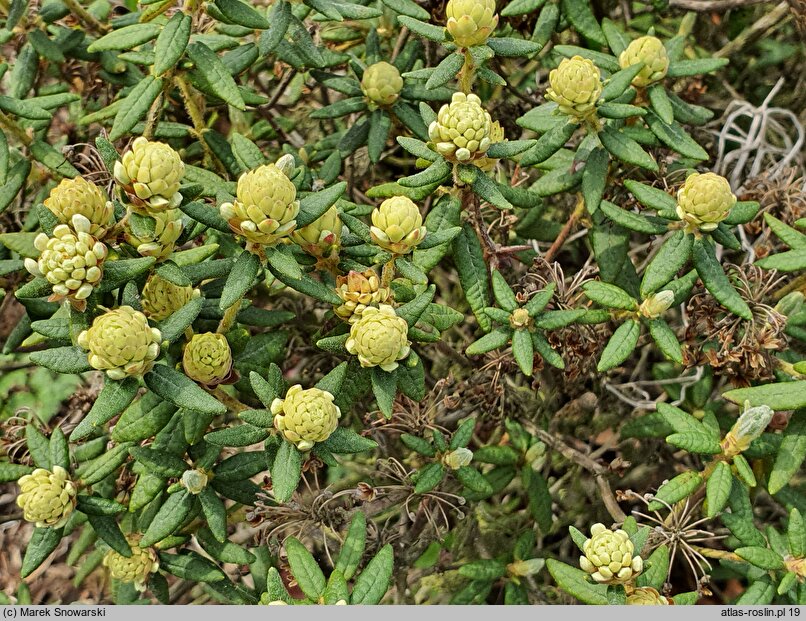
(381, 84)
(82, 197)
(575, 86)
(47, 498)
(135, 569)
(609, 556)
(207, 358)
(305, 417)
(121, 343)
(646, 596)
(749, 426)
(359, 290)
(470, 22)
(462, 129)
(195, 481)
(655, 305)
(71, 260)
(650, 51)
(458, 458)
(266, 206)
(379, 338)
(161, 298)
(322, 237)
(155, 235)
(397, 225)
(705, 200)
(152, 171)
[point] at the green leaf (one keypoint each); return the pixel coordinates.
(717, 488)
(96, 505)
(538, 497)
(675, 490)
(242, 435)
(796, 534)
(15, 180)
(620, 345)
(173, 327)
(180, 390)
(682, 68)
(212, 70)
(347, 441)
(695, 443)
(306, 570)
(494, 340)
(191, 566)
(352, 550)
(659, 100)
(52, 158)
(106, 527)
(626, 149)
(580, 14)
(98, 469)
(169, 518)
(62, 359)
(657, 568)
(549, 143)
(286, 471)
(675, 137)
(632, 220)
(125, 38)
(778, 396)
(760, 592)
(384, 387)
(522, 351)
(715, 280)
(24, 109)
(651, 197)
(473, 275)
(437, 172)
(446, 70)
(594, 178)
(575, 582)
(118, 273)
(429, 477)
(159, 462)
(763, 558)
(609, 296)
(790, 454)
(434, 33)
(136, 106)
(487, 569)
(666, 340)
(242, 14)
(673, 254)
(171, 42)
(483, 186)
(620, 81)
(240, 279)
(112, 400)
(42, 543)
(372, 583)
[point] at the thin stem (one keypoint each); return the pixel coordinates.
(231, 402)
(196, 115)
(467, 74)
(388, 273)
(565, 232)
(229, 318)
(85, 16)
(10, 126)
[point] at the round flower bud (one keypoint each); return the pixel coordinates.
(305, 417)
(121, 343)
(705, 200)
(79, 196)
(608, 556)
(462, 129)
(646, 596)
(359, 290)
(47, 498)
(381, 84)
(207, 358)
(266, 207)
(655, 305)
(397, 225)
(650, 51)
(137, 568)
(321, 238)
(195, 481)
(471, 22)
(152, 171)
(154, 235)
(161, 298)
(576, 86)
(458, 458)
(72, 260)
(379, 338)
